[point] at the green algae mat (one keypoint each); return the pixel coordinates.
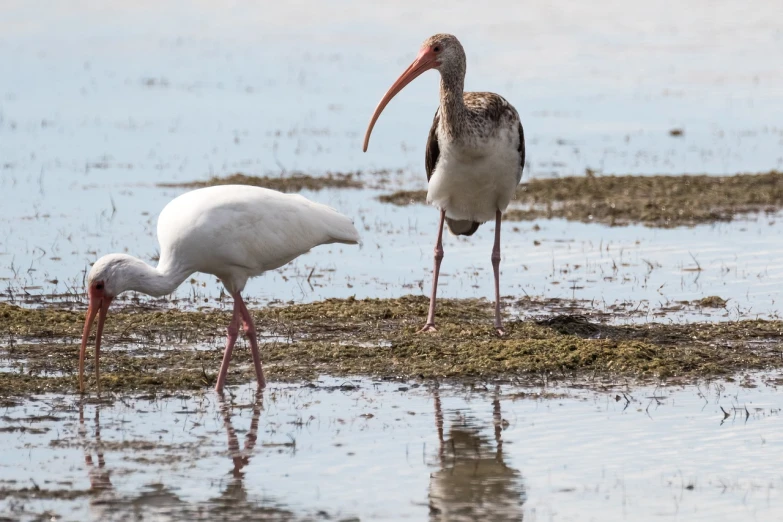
(148, 348)
(655, 201)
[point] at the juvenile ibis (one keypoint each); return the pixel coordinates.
(233, 232)
(474, 157)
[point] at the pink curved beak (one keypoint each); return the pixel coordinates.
(425, 61)
(99, 305)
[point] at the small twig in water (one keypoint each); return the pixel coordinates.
(698, 266)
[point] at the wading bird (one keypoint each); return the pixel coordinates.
(475, 153)
(233, 232)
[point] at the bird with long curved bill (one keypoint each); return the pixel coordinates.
(233, 232)
(474, 158)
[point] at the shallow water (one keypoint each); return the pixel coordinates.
(97, 104)
(358, 449)
(653, 269)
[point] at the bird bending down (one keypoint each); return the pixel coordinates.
(233, 232)
(475, 153)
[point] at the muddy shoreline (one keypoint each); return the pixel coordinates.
(181, 350)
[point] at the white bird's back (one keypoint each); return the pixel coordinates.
(236, 231)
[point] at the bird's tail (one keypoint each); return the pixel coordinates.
(340, 228)
(462, 227)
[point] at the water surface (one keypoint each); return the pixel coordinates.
(361, 449)
(99, 103)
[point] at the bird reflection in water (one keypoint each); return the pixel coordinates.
(105, 502)
(234, 502)
(474, 482)
(158, 500)
(100, 476)
(240, 457)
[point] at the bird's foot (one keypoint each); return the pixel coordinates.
(499, 330)
(429, 327)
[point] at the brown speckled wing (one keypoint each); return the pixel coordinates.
(433, 150)
(521, 153)
(491, 106)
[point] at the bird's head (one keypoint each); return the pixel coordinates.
(442, 52)
(109, 276)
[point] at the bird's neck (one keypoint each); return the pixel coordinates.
(453, 112)
(155, 281)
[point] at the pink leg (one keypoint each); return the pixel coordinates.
(250, 332)
(496, 269)
(430, 326)
(231, 339)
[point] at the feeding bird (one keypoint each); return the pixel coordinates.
(474, 157)
(233, 232)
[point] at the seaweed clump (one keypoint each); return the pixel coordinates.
(655, 201)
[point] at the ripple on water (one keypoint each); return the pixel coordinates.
(498, 452)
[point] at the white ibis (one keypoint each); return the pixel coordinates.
(475, 153)
(233, 232)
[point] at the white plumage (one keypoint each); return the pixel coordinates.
(237, 232)
(476, 177)
(234, 232)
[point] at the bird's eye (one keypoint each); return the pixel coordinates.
(99, 286)
(436, 48)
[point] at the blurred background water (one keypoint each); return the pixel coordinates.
(101, 101)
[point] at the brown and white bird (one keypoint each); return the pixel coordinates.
(475, 153)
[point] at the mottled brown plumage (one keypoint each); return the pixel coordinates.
(433, 151)
(486, 113)
(474, 157)
(521, 150)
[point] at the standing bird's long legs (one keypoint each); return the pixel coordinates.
(430, 326)
(250, 332)
(231, 339)
(496, 269)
